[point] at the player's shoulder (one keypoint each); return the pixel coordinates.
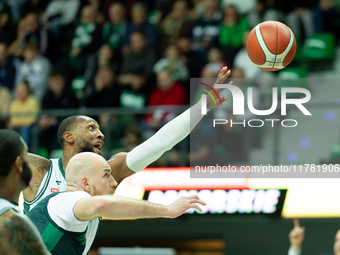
(19, 235)
(118, 158)
(12, 221)
(38, 163)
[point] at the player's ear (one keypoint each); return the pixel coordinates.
(86, 184)
(19, 164)
(68, 137)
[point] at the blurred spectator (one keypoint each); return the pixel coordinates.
(206, 30)
(128, 4)
(131, 138)
(233, 27)
(6, 35)
(15, 7)
(163, 8)
(115, 30)
(104, 93)
(35, 69)
(300, 20)
(327, 17)
(190, 58)
(137, 64)
(59, 15)
(139, 23)
(33, 6)
(215, 64)
(8, 67)
(266, 10)
(198, 9)
(177, 23)
(87, 34)
(104, 58)
(243, 6)
(98, 7)
(168, 92)
(5, 99)
(30, 31)
(59, 96)
(171, 62)
(28, 106)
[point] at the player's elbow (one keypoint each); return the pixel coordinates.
(100, 207)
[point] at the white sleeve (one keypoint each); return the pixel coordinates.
(166, 138)
(292, 252)
(60, 209)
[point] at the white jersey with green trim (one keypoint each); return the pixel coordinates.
(54, 181)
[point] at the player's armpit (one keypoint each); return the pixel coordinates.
(120, 170)
(39, 166)
(18, 235)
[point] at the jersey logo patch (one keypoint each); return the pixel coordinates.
(54, 190)
(58, 182)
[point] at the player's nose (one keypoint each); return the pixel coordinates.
(114, 183)
(100, 135)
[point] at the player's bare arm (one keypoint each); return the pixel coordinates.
(126, 164)
(115, 207)
(19, 236)
(39, 166)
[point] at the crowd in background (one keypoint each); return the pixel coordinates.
(66, 54)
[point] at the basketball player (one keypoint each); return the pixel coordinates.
(80, 134)
(62, 218)
(18, 235)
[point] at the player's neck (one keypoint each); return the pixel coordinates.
(9, 191)
(68, 153)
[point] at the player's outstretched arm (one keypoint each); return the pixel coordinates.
(18, 235)
(115, 207)
(126, 164)
(39, 167)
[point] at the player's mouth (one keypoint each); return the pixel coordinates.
(97, 147)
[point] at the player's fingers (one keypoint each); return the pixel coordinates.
(224, 98)
(196, 207)
(198, 201)
(193, 197)
(296, 223)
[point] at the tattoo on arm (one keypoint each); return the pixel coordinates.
(21, 236)
(39, 168)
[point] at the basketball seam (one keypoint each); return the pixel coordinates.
(254, 53)
(277, 45)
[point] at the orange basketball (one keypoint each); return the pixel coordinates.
(271, 45)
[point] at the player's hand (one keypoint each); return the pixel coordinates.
(182, 204)
(222, 76)
(296, 236)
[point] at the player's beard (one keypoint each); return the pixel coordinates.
(84, 146)
(26, 174)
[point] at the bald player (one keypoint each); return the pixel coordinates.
(18, 235)
(63, 218)
(82, 134)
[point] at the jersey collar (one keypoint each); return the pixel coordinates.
(60, 163)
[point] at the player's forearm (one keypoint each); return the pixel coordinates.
(115, 207)
(167, 137)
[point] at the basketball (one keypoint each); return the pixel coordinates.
(271, 45)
